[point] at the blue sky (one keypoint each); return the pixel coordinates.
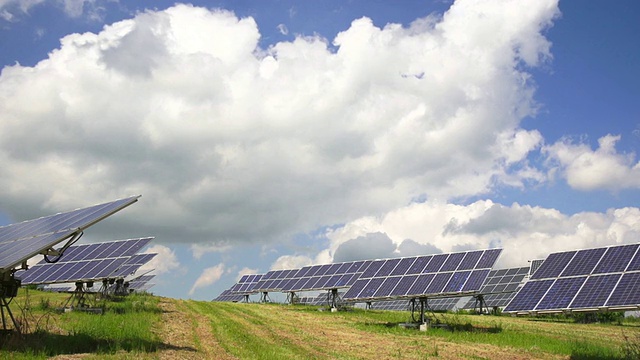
(275, 134)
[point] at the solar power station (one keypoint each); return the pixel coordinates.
(21, 241)
(108, 262)
(598, 279)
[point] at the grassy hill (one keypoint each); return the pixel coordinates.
(149, 327)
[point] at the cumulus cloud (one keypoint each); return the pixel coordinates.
(246, 271)
(291, 262)
(232, 143)
(524, 232)
(586, 169)
(371, 246)
(208, 277)
(165, 262)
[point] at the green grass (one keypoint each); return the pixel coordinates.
(124, 326)
(127, 329)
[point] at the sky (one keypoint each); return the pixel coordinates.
(278, 134)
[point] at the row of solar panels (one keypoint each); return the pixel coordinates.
(90, 262)
(116, 259)
(606, 278)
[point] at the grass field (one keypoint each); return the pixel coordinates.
(149, 327)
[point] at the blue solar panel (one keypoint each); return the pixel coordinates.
(561, 293)
(436, 263)
(457, 282)
(488, 258)
(470, 260)
(405, 283)
(553, 265)
(616, 259)
(418, 266)
(403, 266)
(438, 283)
(529, 296)
(21, 241)
(387, 286)
(475, 280)
(581, 282)
(79, 266)
(595, 291)
(452, 262)
(438, 274)
(387, 267)
(420, 285)
(584, 262)
(627, 291)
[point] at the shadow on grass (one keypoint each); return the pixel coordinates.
(453, 327)
(49, 344)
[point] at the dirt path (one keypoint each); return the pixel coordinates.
(186, 335)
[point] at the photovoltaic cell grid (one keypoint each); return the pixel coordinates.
(319, 300)
(501, 286)
(228, 296)
(274, 280)
(113, 259)
(141, 283)
(246, 284)
(583, 280)
(441, 275)
(535, 264)
(21, 241)
(325, 277)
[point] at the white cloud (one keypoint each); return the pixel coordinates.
(208, 277)
(586, 169)
(524, 232)
(231, 143)
(165, 262)
(245, 271)
(291, 262)
(200, 249)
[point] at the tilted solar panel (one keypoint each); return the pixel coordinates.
(22, 241)
(328, 276)
(584, 280)
(441, 275)
(117, 259)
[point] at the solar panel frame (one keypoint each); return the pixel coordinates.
(22, 241)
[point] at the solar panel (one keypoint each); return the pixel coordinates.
(441, 275)
(595, 279)
(21, 241)
(140, 282)
(117, 259)
(331, 276)
(228, 296)
(500, 287)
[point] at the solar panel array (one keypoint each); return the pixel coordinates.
(441, 275)
(21, 241)
(227, 295)
(90, 262)
(583, 280)
(325, 277)
(274, 280)
(141, 283)
(501, 286)
(246, 284)
(319, 300)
